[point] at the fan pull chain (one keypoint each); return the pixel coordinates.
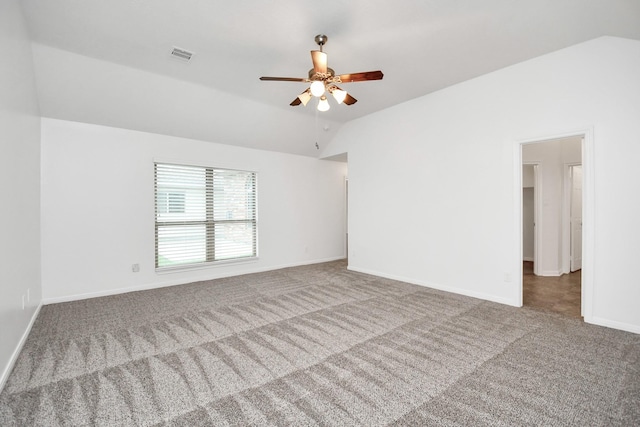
(317, 146)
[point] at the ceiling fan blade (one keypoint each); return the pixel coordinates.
(283, 79)
(295, 102)
(361, 77)
(319, 61)
(349, 100)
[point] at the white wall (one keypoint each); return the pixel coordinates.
(434, 183)
(83, 89)
(98, 208)
(552, 156)
(528, 176)
(19, 186)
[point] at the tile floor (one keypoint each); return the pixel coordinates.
(558, 294)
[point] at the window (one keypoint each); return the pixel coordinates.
(204, 215)
(170, 202)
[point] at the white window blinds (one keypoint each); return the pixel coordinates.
(204, 215)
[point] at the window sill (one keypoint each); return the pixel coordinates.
(204, 266)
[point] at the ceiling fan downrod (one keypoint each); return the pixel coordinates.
(321, 40)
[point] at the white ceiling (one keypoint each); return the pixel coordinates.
(420, 45)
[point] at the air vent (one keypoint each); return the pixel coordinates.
(181, 54)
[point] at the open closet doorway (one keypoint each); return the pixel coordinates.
(552, 224)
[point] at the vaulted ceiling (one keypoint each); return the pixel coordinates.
(108, 62)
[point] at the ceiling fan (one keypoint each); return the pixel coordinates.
(323, 79)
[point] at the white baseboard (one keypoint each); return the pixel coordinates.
(165, 283)
(593, 320)
(18, 349)
(613, 324)
(550, 273)
(453, 290)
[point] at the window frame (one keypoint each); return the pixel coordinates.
(209, 222)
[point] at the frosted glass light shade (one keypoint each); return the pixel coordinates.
(304, 97)
(323, 104)
(317, 88)
(339, 95)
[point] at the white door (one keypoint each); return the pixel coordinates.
(576, 217)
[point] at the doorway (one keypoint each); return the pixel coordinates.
(551, 216)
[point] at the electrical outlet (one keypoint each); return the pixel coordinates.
(135, 268)
(507, 277)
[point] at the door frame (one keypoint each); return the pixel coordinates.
(537, 204)
(588, 215)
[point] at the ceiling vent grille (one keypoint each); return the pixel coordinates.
(181, 54)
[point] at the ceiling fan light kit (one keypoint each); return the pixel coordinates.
(305, 96)
(317, 88)
(323, 79)
(338, 95)
(323, 104)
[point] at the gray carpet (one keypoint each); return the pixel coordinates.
(317, 345)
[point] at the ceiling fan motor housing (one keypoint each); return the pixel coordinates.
(321, 76)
